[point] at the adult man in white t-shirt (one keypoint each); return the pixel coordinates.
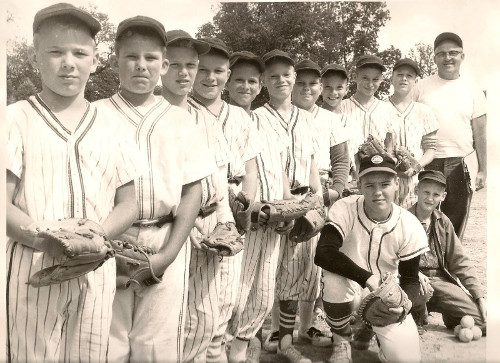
(460, 109)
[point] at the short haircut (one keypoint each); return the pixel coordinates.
(143, 31)
(65, 21)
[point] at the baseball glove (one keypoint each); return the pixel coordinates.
(371, 147)
(241, 206)
(224, 240)
(133, 265)
(285, 210)
(406, 159)
(351, 188)
(80, 245)
(374, 308)
(310, 224)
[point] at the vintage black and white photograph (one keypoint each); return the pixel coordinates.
(211, 181)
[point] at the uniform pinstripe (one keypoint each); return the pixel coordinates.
(361, 121)
(176, 153)
(81, 171)
(242, 137)
(297, 277)
(412, 124)
(260, 256)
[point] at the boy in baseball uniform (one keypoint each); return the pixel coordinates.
(244, 145)
(297, 277)
(204, 280)
(415, 127)
(366, 114)
(65, 159)
(260, 256)
(148, 321)
(364, 237)
(332, 160)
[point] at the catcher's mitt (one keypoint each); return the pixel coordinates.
(374, 308)
(241, 206)
(371, 147)
(80, 245)
(133, 265)
(406, 159)
(224, 240)
(310, 224)
(285, 210)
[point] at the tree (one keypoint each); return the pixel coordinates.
(325, 32)
(423, 54)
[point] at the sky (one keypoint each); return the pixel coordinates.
(411, 22)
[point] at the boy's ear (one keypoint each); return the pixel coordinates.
(444, 196)
(396, 181)
(95, 61)
(164, 66)
(32, 57)
(113, 61)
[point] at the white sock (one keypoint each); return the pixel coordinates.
(238, 352)
(306, 309)
(275, 317)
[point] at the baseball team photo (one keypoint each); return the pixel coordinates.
(241, 182)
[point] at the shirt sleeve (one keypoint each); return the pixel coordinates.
(253, 143)
(15, 144)
(341, 215)
(429, 120)
(130, 164)
(338, 133)
(479, 104)
(414, 241)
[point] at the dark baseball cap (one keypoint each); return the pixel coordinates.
(248, 57)
(276, 53)
(66, 9)
(448, 36)
(307, 64)
(370, 60)
(333, 67)
(377, 162)
(142, 21)
(217, 44)
(407, 62)
(434, 175)
(178, 34)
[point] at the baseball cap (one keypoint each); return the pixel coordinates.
(141, 21)
(372, 60)
(407, 62)
(448, 36)
(377, 162)
(217, 44)
(178, 34)
(276, 53)
(333, 67)
(66, 9)
(307, 64)
(246, 56)
(432, 175)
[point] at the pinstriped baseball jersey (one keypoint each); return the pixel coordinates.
(62, 174)
(374, 120)
(377, 247)
(159, 192)
(240, 133)
(301, 139)
(330, 132)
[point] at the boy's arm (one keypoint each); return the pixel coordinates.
(222, 209)
(314, 180)
(124, 212)
(339, 160)
(249, 185)
(479, 137)
(329, 258)
(286, 183)
(184, 221)
(408, 271)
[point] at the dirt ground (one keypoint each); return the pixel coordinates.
(438, 344)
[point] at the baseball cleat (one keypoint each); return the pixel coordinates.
(341, 352)
(271, 343)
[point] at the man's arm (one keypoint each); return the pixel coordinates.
(184, 221)
(479, 136)
(124, 212)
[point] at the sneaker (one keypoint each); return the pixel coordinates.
(363, 337)
(341, 353)
(293, 355)
(271, 343)
(315, 337)
(320, 322)
(253, 351)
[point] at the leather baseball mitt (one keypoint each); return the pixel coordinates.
(241, 206)
(371, 147)
(224, 240)
(310, 224)
(80, 245)
(133, 265)
(406, 159)
(374, 308)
